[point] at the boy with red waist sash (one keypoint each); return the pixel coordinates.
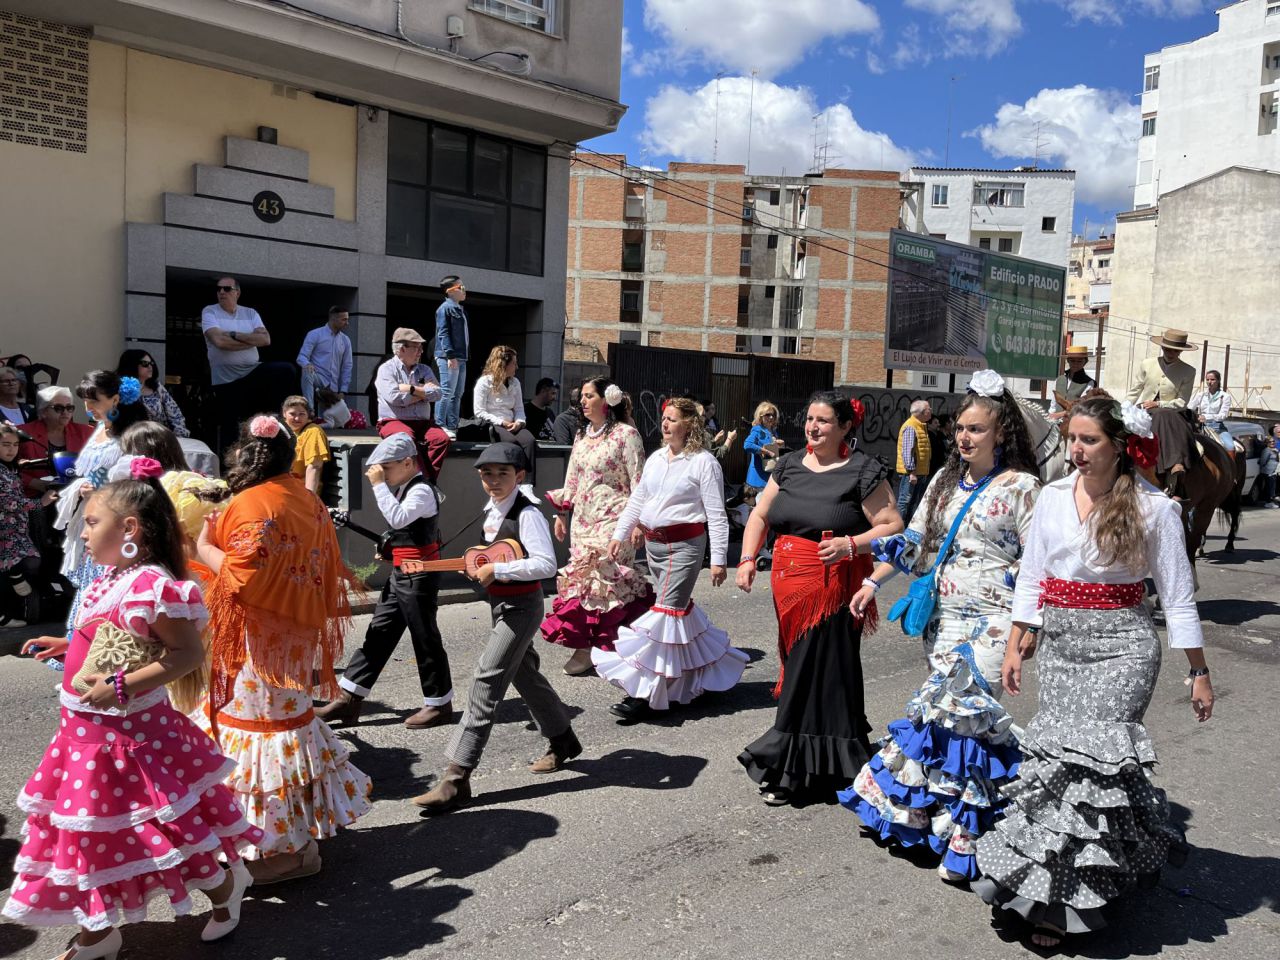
(514, 590)
(408, 503)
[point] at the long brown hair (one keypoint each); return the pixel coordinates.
(1018, 454)
(257, 459)
(1116, 522)
(496, 367)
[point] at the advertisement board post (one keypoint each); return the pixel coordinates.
(956, 309)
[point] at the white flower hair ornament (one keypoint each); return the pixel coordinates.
(987, 383)
(1136, 420)
(612, 395)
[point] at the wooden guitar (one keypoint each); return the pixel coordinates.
(472, 559)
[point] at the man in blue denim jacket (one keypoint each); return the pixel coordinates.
(452, 340)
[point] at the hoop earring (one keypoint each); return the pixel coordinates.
(113, 413)
(128, 549)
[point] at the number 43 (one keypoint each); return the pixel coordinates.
(269, 207)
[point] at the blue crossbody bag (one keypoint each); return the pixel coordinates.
(915, 608)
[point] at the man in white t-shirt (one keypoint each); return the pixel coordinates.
(243, 385)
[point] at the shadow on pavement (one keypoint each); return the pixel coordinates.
(1190, 905)
(1220, 558)
(12, 936)
(629, 768)
(1234, 613)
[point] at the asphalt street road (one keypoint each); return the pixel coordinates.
(655, 844)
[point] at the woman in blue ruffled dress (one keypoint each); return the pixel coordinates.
(934, 780)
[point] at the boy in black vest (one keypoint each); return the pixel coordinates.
(409, 505)
(515, 596)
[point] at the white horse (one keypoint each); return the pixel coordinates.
(1046, 441)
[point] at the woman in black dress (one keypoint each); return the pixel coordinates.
(827, 503)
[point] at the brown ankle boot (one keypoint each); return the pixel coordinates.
(560, 750)
(430, 717)
(342, 710)
(453, 791)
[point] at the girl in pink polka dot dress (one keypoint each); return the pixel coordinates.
(128, 802)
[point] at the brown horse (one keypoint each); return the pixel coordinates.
(1215, 481)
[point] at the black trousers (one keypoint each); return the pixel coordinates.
(407, 600)
(262, 390)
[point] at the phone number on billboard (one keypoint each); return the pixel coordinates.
(1028, 346)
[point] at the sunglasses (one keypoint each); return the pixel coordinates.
(226, 289)
(63, 407)
(146, 363)
(769, 416)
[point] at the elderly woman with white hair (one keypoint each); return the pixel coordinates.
(915, 454)
(53, 431)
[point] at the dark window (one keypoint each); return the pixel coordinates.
(465, 198)
(773, 198)
(768, 293)
(1048, 224)
(984, 243)
(633, 257)
(773, 242)
(1006, 244)
(743, 304)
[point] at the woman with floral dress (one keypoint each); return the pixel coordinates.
(934, 780)
(277, 593)
(597, 593)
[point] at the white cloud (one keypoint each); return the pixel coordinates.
(682, 124)
(1112, 11)
(746, 35)
(628, 49)
(967, 27)
(1091, 131)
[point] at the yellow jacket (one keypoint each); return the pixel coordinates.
(923, 450)
(1170, 384)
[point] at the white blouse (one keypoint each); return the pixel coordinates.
(688, 488)
(1059, 546)
(494, 407)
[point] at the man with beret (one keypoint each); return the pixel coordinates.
(406, 390)
(410, 506)
(514, 590)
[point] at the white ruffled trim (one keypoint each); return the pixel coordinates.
(142, 607)
(37, 917)
(143, 701)
(166, 814)
(69, 876)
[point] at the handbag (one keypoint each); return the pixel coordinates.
(113, 650)
(915, 608)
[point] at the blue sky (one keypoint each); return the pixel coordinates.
(878, 74)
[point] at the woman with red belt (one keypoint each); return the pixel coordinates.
(673, 653)
(827, 502)
(1085, 823)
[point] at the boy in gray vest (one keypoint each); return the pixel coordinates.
(408, 504)
(515, 598)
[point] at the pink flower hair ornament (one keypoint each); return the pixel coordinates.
(264, 427)
(145, 468)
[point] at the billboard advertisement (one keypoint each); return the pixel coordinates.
(957, 309)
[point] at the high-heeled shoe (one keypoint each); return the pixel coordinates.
(105, 949)
(241, 880)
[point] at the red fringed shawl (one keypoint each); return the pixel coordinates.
(806, 591)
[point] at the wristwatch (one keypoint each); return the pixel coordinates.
(235, 336)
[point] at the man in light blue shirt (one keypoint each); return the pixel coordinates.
(325, 357)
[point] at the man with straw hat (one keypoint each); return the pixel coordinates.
(1073, 384)
(1163, 388)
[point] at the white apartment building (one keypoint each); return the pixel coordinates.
(1211, 103)
(1023, 211)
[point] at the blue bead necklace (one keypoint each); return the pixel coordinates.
(970, 487)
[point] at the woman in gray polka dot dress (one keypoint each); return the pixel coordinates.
(1085, 823)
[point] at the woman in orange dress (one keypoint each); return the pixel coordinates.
(277, 593)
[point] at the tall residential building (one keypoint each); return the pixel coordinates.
(333, 152)
(1023, 211)
(705, 257)
(1211, 103)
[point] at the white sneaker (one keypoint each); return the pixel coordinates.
(453, 434)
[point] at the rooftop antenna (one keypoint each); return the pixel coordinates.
(1037, 143)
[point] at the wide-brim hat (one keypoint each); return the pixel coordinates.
(1174, 340)
(407, 335)
(1077, 350)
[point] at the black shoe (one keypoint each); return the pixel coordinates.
(631, 708)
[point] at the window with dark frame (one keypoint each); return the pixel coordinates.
(772, 243)
(1048, 224)
(1006, 245)
(464, 197)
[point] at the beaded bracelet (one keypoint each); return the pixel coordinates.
(118, 682)
(873, 583)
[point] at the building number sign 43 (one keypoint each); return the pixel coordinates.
(268, 206)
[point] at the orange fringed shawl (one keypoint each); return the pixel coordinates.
(283, 586)
(806, 592)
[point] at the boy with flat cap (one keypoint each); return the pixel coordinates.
(409, 505)
(515, 597)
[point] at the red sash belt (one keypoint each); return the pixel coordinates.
(1075, 595)
(675, 533)
(429, 552)
(267, 726)
(514, 589)
(673, 611)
